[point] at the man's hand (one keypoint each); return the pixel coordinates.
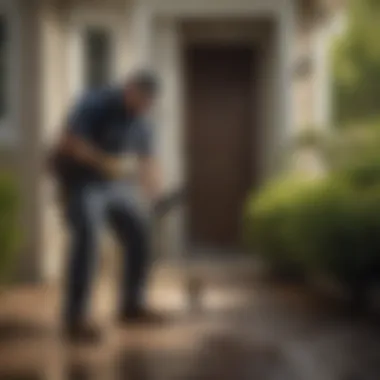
(117, 167)
(113, 167)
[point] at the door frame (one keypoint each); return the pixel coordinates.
(161, 44)
(169, 40)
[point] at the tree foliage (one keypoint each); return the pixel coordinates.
(356, 65)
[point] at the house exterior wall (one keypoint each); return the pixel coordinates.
(20, 149)
(311, 88)
(145, 31)
(53, 23)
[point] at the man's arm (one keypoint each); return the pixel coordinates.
(75, 141)
(78, 148)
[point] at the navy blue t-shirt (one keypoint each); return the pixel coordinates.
(102, 119)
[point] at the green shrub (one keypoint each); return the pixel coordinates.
(355, 146)
(267, 226)
(324, 225)
(332, 228)
(9, 226)
(356, 64)
(329, 224)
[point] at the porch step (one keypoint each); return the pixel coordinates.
(232, 269)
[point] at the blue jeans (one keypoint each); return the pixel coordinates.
(88, 208)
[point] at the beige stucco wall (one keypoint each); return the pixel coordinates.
(53, 21)
(303, 85)
(311, 91)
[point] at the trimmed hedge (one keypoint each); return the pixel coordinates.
(328, 225)
(267, 226)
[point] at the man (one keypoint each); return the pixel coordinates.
(94, 165)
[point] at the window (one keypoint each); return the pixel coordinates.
(93, 40)
(97, 56)
(4, 67)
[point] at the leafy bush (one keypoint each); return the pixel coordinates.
(9, 228)
(356, 64)
(329, 224)
(325, 225)
(354, 146)
(334, 229)
(267, 222)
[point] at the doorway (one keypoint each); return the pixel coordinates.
(220, 137)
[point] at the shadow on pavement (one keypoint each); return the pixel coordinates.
(13, 329)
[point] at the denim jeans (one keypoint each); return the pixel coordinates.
(89, 207)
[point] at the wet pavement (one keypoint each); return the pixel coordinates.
(246, 331)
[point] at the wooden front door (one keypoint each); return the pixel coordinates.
(219, 138)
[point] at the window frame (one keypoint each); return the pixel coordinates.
(108, 70)
(10, 121)
(81, 21)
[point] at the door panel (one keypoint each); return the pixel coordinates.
(219, 137)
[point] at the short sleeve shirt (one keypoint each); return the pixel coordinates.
(102, 119)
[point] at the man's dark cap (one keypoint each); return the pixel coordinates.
(145, 80)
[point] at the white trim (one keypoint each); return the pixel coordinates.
(323, 37)
(321, 83)
(141, 31)
(215, 8)
(286, 39)
(80, 20)
(9, 125)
